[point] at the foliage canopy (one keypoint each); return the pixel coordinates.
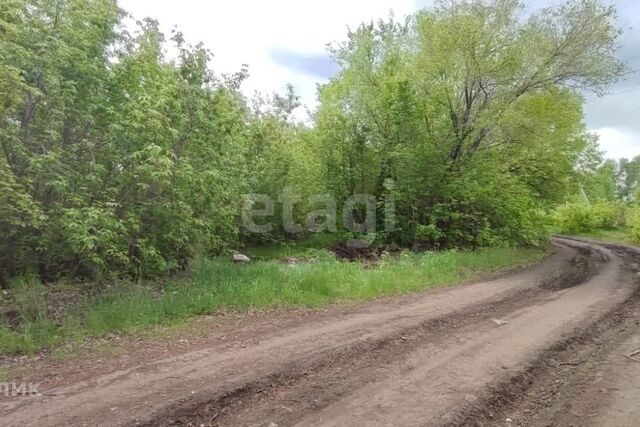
(119, 161)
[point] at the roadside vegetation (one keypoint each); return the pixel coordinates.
(609, 221)
(607, 206)
(124, 173)
(301, 248)
(118, 161)
(218, 284)
(617, 235)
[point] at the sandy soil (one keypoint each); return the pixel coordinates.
(543, 346)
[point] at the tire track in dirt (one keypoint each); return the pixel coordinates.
(589, 380)
(451, 382)
(338, 373)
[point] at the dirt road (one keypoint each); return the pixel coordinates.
(544, 346)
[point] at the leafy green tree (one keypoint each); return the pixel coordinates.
(472, 110)
(282, 160)
(115, 160)
(602, 184)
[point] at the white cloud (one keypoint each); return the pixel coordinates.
(245, 31)
(619, 142)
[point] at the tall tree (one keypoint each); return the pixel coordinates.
(472, 109)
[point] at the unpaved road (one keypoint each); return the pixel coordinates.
(544, 346)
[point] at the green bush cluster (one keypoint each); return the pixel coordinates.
(581, 217)
(115, 161)
(633, 222)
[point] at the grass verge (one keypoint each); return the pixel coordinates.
(616, 235)
(303, 248)
(217, 284)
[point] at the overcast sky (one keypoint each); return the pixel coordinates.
(285, 41)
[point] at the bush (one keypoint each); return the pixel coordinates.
(116, 177)
(605, 215)
(573, 218)
(454, 224)
(633, 221)
(580, 217)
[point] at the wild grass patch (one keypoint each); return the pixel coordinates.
(217, 284)
(616, 235)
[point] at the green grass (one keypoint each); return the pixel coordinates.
(617, 235)
(303, 248)
(217, 284)
(4, 375)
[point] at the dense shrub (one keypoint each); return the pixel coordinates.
(574, 218)
(633, 221)
(580, 217)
